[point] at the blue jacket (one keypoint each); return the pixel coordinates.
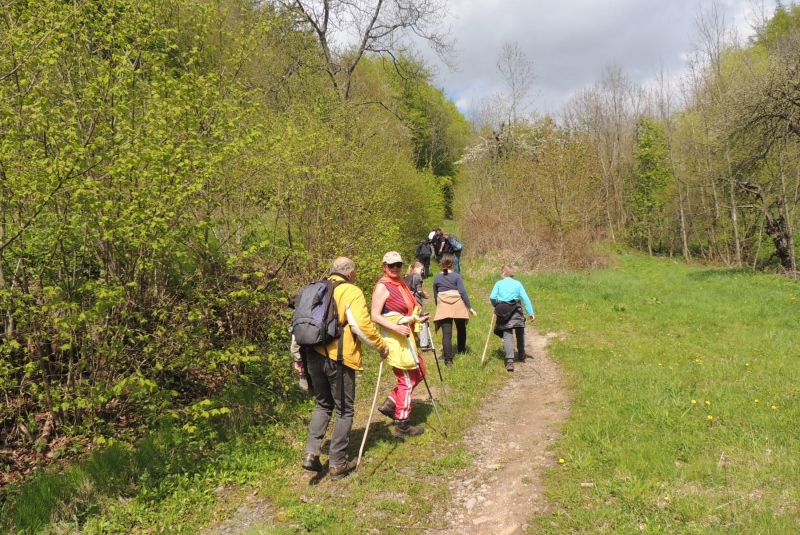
(508, 290)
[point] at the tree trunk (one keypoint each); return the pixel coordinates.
(684, 242)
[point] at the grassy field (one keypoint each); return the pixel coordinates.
(684, 385)
(685, 399)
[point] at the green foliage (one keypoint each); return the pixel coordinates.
(651, 177)
(784, 21)
(170, 172)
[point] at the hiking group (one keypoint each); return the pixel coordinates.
(332, 323)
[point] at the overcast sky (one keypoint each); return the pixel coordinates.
(570, 42)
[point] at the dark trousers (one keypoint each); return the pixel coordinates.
(426, 264)
(447, 337)
(508, 342)
(324, 375)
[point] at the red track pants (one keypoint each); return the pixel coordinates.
(407, 380)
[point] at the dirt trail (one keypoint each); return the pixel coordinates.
(503, 488)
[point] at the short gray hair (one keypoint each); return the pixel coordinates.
(343, 265)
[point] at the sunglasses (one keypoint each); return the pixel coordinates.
(395, 265)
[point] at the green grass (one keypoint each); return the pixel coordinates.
(666, 363)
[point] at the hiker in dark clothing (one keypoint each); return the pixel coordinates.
(452, 246)
(436, 241)
(508, 297)
(423, 254)
(452, 304)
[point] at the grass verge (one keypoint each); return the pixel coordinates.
(685, 408)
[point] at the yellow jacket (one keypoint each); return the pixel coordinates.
(355, 316)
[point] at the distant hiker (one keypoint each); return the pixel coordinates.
(452, 304)
(423, 255)
(453, 246)
(332, 371)
(508, 296)
(436, 242)
(414, 282)
(392, 300)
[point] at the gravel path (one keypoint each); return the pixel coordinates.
(503, 489)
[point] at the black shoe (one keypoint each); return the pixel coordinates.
(311, 463)
(448, 363)
(388, 408)
(404, 429)
(343, 471)
(510, 365)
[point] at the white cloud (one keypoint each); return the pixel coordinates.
(571, 42)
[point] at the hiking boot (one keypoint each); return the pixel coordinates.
(342, 471)
(448, 363)
(404, 429)
(510, 365)
(311, 463)
(522, 357)
(388, 408)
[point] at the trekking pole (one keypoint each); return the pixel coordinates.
(485, 347)
(433, 401)
(369, 419)
(436, 358)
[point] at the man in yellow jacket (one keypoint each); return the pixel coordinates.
(325, 373)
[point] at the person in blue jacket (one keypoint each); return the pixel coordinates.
(508, 297)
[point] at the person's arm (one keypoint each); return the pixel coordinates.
(418, 286)
(361, 325)
(463, 291)
(435, 290)
(294, 349)
(526, 301)
(493, 295)
(379, 297)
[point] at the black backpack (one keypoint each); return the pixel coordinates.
(316, 322)
(316, 316)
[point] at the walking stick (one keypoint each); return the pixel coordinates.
(485, 347)
(436, 358)
(435, 408)
(369, 419)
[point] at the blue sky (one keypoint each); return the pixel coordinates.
(571, 42)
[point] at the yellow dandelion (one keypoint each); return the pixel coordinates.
(660, 364)
(708, 403)
(774, 407)
(710, 417)
(756, 401)
(561, 461)
(748, 364)
(694, 402)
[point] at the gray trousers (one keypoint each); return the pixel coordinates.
(508, 342)
(324, 375)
